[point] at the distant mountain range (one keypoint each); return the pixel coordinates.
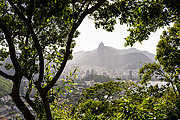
(113, 58)
(106, 56)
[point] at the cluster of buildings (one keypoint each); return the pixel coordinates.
(114, 73)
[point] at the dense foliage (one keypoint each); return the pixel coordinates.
(127, 101)
(168, 57)
(142, 17)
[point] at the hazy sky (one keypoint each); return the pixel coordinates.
(90, 38)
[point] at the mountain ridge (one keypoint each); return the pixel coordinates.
(112, 57)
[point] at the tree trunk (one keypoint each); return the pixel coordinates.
(18, 101)
(46, 107)
(22, 107)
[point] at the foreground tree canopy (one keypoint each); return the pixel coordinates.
(168, 57)
(126, 101)
(38, 37)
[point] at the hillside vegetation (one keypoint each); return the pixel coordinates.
(5, 87)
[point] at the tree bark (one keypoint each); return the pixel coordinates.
(18, 101)
(46, 106)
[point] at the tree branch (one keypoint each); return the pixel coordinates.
(20, 14)
(68, 47)
(28, 100)
(39, 50)
(18, 101)
(30, 12)
(11, 47)
(34, 37)
(6, 75)
(26, 52)
(80, 10)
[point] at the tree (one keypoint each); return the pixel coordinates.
(168, 55)
(35, 34)
(142, 17)
(126, 100)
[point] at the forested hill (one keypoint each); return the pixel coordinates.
(5, 87)
(97, 78)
